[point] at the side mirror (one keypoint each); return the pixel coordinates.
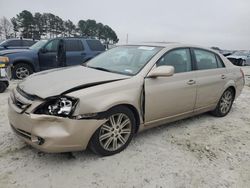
(161, 71)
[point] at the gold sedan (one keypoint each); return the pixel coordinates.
(106, 101)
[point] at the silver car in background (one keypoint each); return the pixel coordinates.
(105, 102)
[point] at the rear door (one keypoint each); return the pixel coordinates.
(211, 77)
(171, 96)
(75, 52)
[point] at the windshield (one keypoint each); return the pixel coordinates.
(128, 60)
(242, 53)
(38, 45)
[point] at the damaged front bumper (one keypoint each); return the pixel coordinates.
(50, 133)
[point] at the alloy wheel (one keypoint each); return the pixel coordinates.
(226, 102)
(115, 132)
(22, 72)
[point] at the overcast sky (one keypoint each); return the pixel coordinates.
(223, 23)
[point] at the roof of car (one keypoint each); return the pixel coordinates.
(19, 39)
(160, 44)
(170, 45)
(82, 38)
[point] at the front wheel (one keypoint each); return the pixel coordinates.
(225, 103)
(115, 134)
(21, 71)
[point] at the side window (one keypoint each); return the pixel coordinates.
(13, 43)
(205, 59)
(52, 46)
(74, 45)
(219, 62)
(180, 59)
(95, 45)
(28, 42)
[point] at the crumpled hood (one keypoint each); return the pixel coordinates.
(65, 80)
(237, 57)
(13, 51)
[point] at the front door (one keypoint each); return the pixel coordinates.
(48, 55)
(166, 97)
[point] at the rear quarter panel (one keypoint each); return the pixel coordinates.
(246, 71)
(235, 76)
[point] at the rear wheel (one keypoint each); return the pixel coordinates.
(22, 70)
(225, 104)
(3, 86)
(115, 134)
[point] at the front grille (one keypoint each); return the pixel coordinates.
(22, 133)
(19, 103)
(26, 95)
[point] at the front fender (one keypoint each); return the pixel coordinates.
(31, 60)
(103, 97)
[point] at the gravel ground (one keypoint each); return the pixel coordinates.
(202, 151)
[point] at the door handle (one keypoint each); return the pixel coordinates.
(191, 82)
(83, 54)
(223, 76)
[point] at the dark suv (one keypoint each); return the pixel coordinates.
(43, 55)
(16, 44)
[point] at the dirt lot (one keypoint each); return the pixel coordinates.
(203, 151)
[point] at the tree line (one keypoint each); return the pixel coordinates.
(47, 25)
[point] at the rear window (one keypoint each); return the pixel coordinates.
(74, 45)
(95, 45)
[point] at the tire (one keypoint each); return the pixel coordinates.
(22, 70)
(3, 86)
(112, 137)
(225, 103)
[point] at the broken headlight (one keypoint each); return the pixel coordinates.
(62, 106)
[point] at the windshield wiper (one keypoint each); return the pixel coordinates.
(100, 68)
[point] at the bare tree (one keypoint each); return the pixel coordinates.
(6, 27)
